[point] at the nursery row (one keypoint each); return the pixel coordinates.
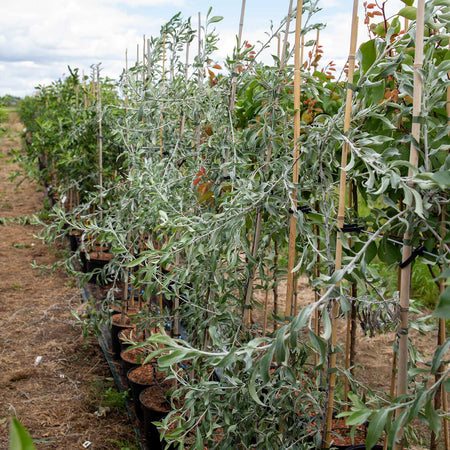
(199, 193)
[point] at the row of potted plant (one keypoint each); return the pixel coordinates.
(188, 196)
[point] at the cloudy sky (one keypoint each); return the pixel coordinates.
(40, 38)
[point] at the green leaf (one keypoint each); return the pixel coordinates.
(410, 12)
(432, 417)
(442, 177)
(199, 440)
(376, 427)
(367, 54)
(358, 417)
(19, 439)
(371, 252)
(443, 308)
(140, 113)
(326, 325)
(280, 348)
(252, 389)
(408, 2)
(447, 385)
(388, 252)
(436, 2)
(320, 346)
(137, 261)
(215, 19)
(438, 357)
(395, 428)
(337, 276)
(172, 358)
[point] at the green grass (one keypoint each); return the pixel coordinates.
(423, 289)
(105, 395)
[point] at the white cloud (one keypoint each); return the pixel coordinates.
(137, 3)
(40, 38)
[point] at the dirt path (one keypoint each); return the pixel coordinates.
(57, 383)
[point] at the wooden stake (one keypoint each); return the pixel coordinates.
(442, 288)
(161, 138)
(340, 224)
(100, 147)
(126, 71)
(137, 61)
(441, 401)
(199, 75)
(350, 341)
(257, 233)
(278, 46)
(84, 91)
(275, 287)
(186, 68)
(143, 62)
(239, 43)
(149, 60)
(405, 279)
(297, 121)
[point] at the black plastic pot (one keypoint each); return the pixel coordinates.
(94, 264)
(128, 363)
(124, 342)
(360, 447)
(116, 328)
(355, 447)
(74, 239)
(137, 388)
(151, 433)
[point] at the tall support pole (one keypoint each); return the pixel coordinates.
(258, 221)
(199, 74)
(143, 62)
(340, 224)
(442, 288)
(405, 276)
(100, 144)
(239, 43)
(441, 401)
(297, 121)
(149, 60)
(232, 99)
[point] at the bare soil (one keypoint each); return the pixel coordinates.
(56, 382)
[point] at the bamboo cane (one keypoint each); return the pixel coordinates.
(340, 224)
(137, 62)
(266, 311)
(100, 148)
(441, 401)
(199, 75)
(316, 292)
(405, 279)
(297, 120)
(161, 134)
(350, 341)
(275, 287)
(143, 62)
(278, 47)
(84, 91)
(257, 233)
(149, 60)
(391, 391)
(238, 44)
(442, 288)
(186, 68)
(126, 71)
